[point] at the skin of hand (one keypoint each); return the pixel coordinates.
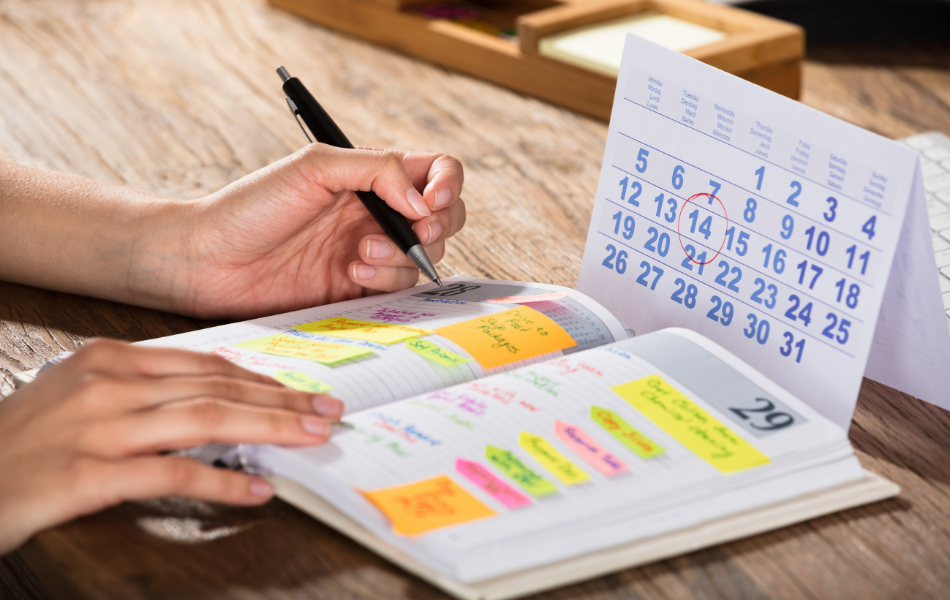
(88, 432)
(286, 237)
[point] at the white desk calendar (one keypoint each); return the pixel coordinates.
(768, 227)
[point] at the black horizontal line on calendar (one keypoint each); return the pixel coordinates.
(778, 243)
(769, 200)
(744, 264)
(757, 157)
(737, 299)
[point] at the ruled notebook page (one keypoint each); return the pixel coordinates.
(574, 454)
(385, 372)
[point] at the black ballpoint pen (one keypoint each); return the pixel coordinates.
(303, 105)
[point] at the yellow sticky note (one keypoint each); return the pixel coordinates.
(352, 329)
(690, 425)
(420, 507)
(435, 353)
(302, 382)
(294, 347)
(508, 336)
(551, 459)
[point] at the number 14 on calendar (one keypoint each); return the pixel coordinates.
(712, 213)
(806, 284)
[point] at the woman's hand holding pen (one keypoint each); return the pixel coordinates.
(87, 433)
(290, 236)
(285, 237)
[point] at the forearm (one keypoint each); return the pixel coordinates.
(68, 233)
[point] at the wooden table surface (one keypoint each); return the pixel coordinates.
(180, 97)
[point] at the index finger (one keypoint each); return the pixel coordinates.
(119, 358)
(441, 174)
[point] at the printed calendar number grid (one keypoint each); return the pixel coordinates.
(769, 264)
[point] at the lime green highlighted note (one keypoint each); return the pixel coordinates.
(353, 329)
(692, 426)
(436, 354)
(509, 464)
(551, 459)
(293, 347)
(301, 382)
(640, 444)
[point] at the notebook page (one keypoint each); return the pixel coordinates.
(388, 372)
(551, 458)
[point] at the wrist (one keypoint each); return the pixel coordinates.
(162, 258)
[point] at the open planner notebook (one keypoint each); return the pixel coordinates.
(501, 437)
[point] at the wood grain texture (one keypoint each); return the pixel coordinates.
(180, 97)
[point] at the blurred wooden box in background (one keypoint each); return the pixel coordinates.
(498, 40)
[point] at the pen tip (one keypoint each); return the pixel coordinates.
(438, 281)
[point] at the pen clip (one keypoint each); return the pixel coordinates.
(296, 114)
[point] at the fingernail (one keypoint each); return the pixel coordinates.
(435, 230)
(261, 488)
(327, 407)
(313, 425)
(415, 199)
(442, 198)
(377, 249)
(364, 271)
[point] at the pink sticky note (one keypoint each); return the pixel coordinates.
(495, 487)
(529, 299)
(585, 447)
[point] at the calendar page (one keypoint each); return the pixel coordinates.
(754, 220)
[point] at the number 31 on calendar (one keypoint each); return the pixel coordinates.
(729, 245)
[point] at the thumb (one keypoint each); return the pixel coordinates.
(380, 171)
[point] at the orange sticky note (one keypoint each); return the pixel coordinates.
(420, 507)
(508, 336)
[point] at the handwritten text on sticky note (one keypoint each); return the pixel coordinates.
(692, 426)
(552, 460)
(294, 347)
(508, 336)
(425, 505)
(496, 488)
(302, 382)
(630, 437)
(509, 464)
(588, 449)
(353, 329)
(435, 353)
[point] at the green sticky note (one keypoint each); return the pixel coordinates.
(552, 460)
(509, 464)
(302, 382)
(641, 445)
(436, 354)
